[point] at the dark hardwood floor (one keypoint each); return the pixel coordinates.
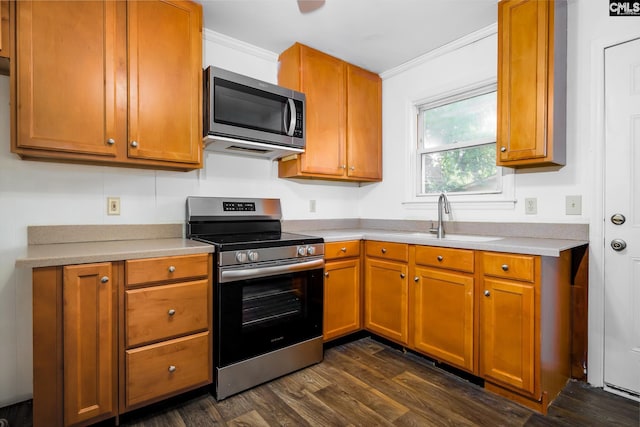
(368, 383)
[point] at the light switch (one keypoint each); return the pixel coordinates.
(574, 205)
(531, 206)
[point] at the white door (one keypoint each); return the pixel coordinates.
(622, 196)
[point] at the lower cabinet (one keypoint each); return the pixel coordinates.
(525, 331)
(386, 290)
(442, 311)
(342, 289)
(89, 336)
(102, 347)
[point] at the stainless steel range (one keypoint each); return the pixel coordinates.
(268, 293)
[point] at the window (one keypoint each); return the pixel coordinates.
(456, 148)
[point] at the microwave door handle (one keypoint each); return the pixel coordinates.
(292, 122)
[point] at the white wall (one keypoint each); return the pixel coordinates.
(38, 193)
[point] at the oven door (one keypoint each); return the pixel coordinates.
(257, 314)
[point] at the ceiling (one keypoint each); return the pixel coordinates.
(378, 35)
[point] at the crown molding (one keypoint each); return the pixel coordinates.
(447, 48)
(239, 45)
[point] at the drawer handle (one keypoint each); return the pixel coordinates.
(104, 279)
(402, 275)
(487, 293)
(440, 258)
(416, 279)
(343, 249)
(171, 312)
(171, 269)
(326, 274)
(384, 250)
(505, 267)
(172, 368)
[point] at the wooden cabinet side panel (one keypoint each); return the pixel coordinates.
(165, 80)
(90, 333)
(364, 124)
(341, 298)
(47, 347)
(386, 299)
(65, 100)
(522, 80)
(443, 316)
(508, 333)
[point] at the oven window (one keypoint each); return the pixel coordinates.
(266, 304)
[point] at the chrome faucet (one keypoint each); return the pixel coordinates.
(443, 204)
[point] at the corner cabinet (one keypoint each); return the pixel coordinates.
(343, 117)
(532, 83)
(112, 83)
(114, 336)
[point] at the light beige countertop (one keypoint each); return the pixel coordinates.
(118, 250)
(520, 245)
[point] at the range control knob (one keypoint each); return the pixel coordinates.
(253, 256)
(241, 256)
(302, 251)
(311, 250)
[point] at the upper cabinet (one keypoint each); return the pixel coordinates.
(109, 82)
(5, 36)
(344, 117)
(532, 57)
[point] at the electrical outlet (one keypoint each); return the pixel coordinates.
(531, 206)
(573, 205)
(312, 205)
(113, 205)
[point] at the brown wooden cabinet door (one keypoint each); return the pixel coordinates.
(165, 74)
(364, 124)
(67, 82)
(89, 342)
(5, 38)
(323, 82)
(507, 332)
(443, 316)
(386, 299)
(522, 80)
(341, 298)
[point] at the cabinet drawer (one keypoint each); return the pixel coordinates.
(337, 250)
(160, 312)
(165, 368)
(454, 259)
(509, 266)
(166, 268)
(388, 250)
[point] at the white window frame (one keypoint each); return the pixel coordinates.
(503, 199)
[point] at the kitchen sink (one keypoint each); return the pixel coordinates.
(456, 237)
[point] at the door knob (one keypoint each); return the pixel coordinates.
(618, 245)
(618, 219)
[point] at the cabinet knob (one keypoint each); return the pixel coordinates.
(352, 168)
(505, 267)
(171, 312)
(383, 250)
(343, 166)
(343, 249)
(104, 279)
(134, 144)
(503, 149)
(111, 141)
(172, 368)
(402, 275)
(326, 274)
(487, 293)
(172, 269)
(440, 258)
(416, 279)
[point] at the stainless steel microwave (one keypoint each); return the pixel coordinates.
(251, 117)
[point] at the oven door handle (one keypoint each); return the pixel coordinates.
(251, 273)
